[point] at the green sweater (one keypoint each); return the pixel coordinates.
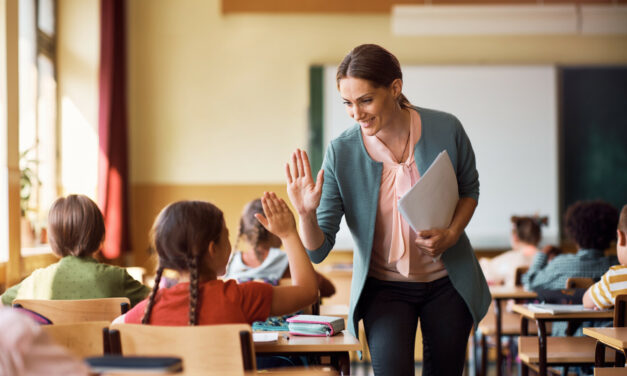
(77, 278)
(351, 189)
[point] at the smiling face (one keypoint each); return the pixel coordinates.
(372, 107)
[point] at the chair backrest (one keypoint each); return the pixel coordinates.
(579, 282)
(620, 311)
(207, 349)
(313, 309)
(82, 339)
(518, 273)
(72, 311)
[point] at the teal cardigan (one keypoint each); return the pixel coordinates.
(351, 189)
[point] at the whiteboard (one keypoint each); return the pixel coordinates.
(510, 115)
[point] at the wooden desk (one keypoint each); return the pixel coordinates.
(571, 354)
(336, 347)
(500, 294)
(615, 338)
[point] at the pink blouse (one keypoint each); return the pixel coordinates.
(395, 256)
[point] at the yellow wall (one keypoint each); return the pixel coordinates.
(223, 99)
(217, 103)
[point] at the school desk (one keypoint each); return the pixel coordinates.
(336, 347)
(499, 294)
(615, 338)
(554, 350)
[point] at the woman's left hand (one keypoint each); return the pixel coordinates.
(435, 242)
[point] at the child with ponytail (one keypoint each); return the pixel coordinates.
(260, 258)
(191, 237)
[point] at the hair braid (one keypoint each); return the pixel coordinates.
(153, 295)
(193, 288)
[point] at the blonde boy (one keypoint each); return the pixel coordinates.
(602, 295)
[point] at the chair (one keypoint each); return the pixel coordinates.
(83, 339)
(565, 351)
(208, 349)
(510, 327)
(72, 311)
(620, 320)
(579, 282)
(518, 273)
(314, 309)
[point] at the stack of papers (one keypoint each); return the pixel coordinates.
(431, 202)
(558, 308)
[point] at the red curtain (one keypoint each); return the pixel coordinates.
(113, 159)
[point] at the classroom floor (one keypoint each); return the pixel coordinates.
(364, 369)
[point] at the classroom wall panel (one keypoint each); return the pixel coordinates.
(147, 200)
(223, 99)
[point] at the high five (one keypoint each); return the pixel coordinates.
(365, 170)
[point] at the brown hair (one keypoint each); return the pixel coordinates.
(372, 63)
(528, 230)
(181, 235)
(250, 228)
(75, 226)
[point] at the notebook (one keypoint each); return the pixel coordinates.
(559, 308)
(314, 325)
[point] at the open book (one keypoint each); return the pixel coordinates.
(558, 308)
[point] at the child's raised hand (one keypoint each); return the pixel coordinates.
(278, 218)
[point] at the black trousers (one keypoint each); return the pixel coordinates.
(391, 312)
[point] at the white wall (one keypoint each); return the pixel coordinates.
(510, 116)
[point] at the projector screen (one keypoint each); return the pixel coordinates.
(510, 116)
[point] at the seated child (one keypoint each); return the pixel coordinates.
(525, 237)
(591, 225)
(191, 237)
(602, 295)
(76, 231)
(263, 259)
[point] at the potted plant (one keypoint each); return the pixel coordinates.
(28, 179)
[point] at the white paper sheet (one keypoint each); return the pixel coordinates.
(558, 308)
(431, 202)
(265, 336)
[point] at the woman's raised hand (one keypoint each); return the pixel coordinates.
(278, 218)
(301, 189)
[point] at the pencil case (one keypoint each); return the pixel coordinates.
(314, 325)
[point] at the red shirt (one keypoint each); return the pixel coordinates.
(219, 302)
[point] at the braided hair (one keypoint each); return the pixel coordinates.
(250, 229)
(181, 236)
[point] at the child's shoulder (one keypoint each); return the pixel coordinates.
(618, 269)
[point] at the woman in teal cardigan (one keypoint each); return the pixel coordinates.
(399, 276)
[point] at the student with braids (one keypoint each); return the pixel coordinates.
(262, 259)
(191, 238)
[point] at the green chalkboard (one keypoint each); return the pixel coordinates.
(593, 134)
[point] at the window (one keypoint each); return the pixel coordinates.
(38, 130)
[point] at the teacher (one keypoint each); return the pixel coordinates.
(399, 276)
